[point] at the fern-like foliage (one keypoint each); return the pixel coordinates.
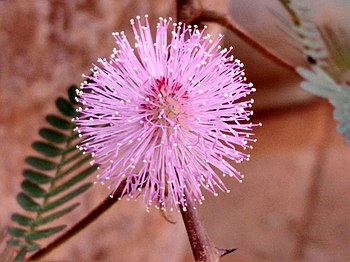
(6, 252)
(318, 82)
(54, 177)
(328, 54)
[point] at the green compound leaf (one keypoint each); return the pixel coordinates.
(41, 164)
(28, 221)
(304, 34)
(36, 177)
(21, 254)
(65, 107)
(14, 242)
(27, 202)
(29, 246)
(71, 159)
(44, 233)
(294, 16)
(33, 190)
(43, 189)
(49, 206)
(53, 216)
(70, 148)
(71, 182)
(328, 53)
(318, 82)
(47, 149)
(22, 220)
(16, 232)
(59, 122)
(53, 136)
(72, 168)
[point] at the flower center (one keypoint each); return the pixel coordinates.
(165, 103)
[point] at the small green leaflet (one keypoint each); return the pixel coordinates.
(318, 82)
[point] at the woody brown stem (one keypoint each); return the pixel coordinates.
(186, 10)
(82, 224)
(203, 248)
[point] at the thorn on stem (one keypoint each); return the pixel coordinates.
(226, 251)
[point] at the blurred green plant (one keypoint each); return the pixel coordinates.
(48, 183)
(328, 55)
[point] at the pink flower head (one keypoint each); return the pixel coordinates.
(168, 116)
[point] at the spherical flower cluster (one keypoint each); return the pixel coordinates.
(168, 117)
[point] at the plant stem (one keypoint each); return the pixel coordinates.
(86, 221)
(291, 12)
(186, 10)
(203, 248)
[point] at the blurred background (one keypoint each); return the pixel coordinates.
(294, 202)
